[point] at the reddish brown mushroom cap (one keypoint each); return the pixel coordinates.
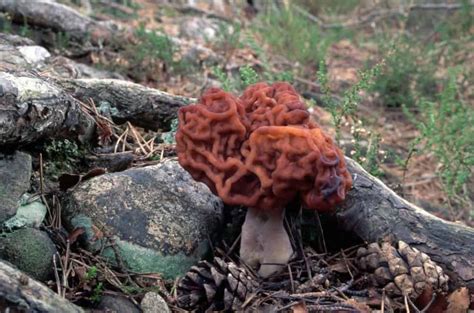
(261, 150)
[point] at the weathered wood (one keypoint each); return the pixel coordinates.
(142, 106)
(32, 108)
(20, 293)
(373, 211)
(58, 17)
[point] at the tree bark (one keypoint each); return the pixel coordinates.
(20, 293)
(32, 108)
(373, 211)
(58, 17)
(142, 106)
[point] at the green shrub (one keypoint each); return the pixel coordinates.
(446, 128)
(405, 77)
(346, 107)
(61, 157)
(293, 36)
(152, 56)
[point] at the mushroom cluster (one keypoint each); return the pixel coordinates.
(261, 151)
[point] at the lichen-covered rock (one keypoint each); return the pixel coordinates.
(30, 250)
(159, 218)
(117, 304)
(15, 172)
(152, 302)
(198, 28)
(29, 214)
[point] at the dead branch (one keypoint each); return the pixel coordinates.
(142, 106)
(373, 211)
(20, 293)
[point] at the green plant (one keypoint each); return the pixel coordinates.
(223, 78)
(25, 30)
(91, 273)
(293, 36)
(405, 76)
(169, 137)
(97, 292)
(61, 155)
(5, 23)
(227, 39)
(366, 150)
(62, 40)
(153, 54)
(248, 76)
(347, 105)
(447, 130)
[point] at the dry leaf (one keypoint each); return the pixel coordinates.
(339, 267)
(299, 308)
(458, 301)
(98, 234)
(75, 234)
(361, 307)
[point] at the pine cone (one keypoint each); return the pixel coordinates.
(214, 287)
(401, 271)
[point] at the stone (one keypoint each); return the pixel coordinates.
(198, 28)
(29, 214)
(160, 219)
(15, 172)
(152, 302)
(116, 304)
(30, 250)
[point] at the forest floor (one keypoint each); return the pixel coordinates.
(422, 55)
(393, 85)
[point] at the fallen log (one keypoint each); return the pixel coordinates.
(20, 293)
(58, 17)
(372, 211)
(32, 108)
(142, 106)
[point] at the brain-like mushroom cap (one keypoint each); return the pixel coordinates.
(261, 150)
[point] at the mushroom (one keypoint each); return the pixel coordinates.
(261, 151)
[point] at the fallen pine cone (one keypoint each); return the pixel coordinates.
(402, 270)
(214, 287)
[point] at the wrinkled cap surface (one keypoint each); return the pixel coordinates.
(261, 150)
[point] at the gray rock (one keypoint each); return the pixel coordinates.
(15, 172)
(116, 304)
(152, 302)
(199, 28)
(30, 250)
(29, 214)
(160, 217)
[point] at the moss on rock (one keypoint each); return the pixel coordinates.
(30, 250)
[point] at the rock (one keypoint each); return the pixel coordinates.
(34, 54)
(198, 28)
(20, 293)
(28, 215)
(15, 172)
(160, 218)
(152, 302)
(116, 304)
(30, 250)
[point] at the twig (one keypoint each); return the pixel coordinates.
(56, 276)
(291, 279)
(383, 301)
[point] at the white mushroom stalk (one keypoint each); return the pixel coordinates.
(264, 242)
